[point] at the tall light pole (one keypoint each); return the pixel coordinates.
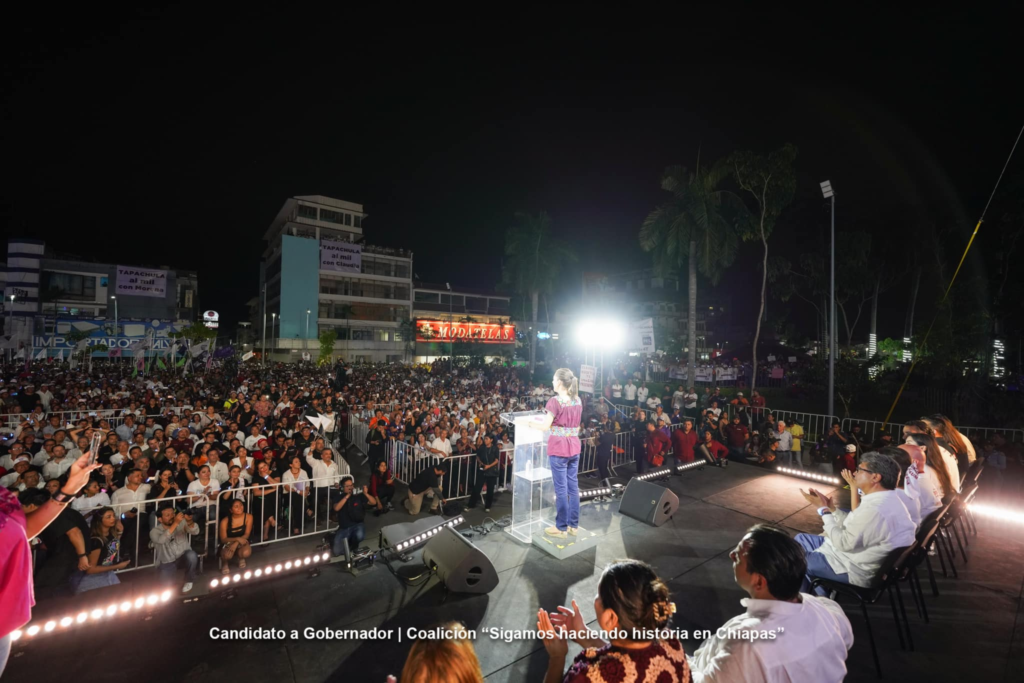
(826, 189)
(306, 345)
(273, 323)
(10, 330)
(263, 346)
(451, 332)
(117, 344)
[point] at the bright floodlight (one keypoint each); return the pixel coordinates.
(826, 189)
(601, 333)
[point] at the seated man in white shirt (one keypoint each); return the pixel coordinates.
(855, 544)
(815, 634)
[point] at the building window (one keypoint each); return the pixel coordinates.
(427, 297)
(362, 334)
(307, 211)
(348, 219)
(476, 303)
(359, 221)
(70, 285)
(402, 270)
(331, 216)
(383, 335)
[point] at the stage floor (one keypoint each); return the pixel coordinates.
(976, 631)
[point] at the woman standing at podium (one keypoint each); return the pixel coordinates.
(564, 414)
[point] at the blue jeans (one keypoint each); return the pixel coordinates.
(817, 565)
(567, 491)
(188, 561)
(355, 535)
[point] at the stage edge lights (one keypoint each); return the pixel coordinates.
(428, 534)
(593, 493)
(269, 570)
(64, 623)
(813, 476)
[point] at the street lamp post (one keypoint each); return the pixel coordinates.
(306, 345)
(116, 343)
(263, 346)
(273, 324)
(826, 190)
(10, 325)
(451, 332)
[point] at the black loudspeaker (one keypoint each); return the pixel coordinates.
(648, 502)
(459, 564)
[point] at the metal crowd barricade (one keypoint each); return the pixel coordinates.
(814, 424)
(298, 509)
(1013, 435)
(872, 429)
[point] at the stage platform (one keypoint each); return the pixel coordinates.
(690, 553)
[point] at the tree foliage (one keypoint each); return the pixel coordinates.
(327, 339)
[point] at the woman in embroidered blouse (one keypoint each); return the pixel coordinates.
(564, 413)
(632, 601)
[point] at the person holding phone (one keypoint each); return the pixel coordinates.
(234, 533)
(102, 547)
(172, 546)
(17, 529)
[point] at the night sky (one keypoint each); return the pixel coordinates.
(173, 138)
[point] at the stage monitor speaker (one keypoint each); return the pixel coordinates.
(648, 502)
(460, 565)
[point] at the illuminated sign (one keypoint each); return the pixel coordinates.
(211, 319)
(480, 333)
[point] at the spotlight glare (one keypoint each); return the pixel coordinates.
(125, 606)
(307, 560)
(288, 564)
(214, 583)
(152, 599)
(82, 616)
(66, 621)
(112, 610)
(16, 635)
(32, 630)
(247, 575)
(326, 556)
(236, 578)
(139, 602)
(259, 573)
(277, 567)
(50, 625)
(165, 596)
(96, 613)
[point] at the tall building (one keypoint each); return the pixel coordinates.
(48, 294)
(319, 274)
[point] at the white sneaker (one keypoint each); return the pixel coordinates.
(187, 587)
(487, 509)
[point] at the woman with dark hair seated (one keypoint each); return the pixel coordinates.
(102, 547)
(633, 603)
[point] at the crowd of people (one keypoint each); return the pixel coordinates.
(217, 462)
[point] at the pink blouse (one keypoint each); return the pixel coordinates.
(564, 441)
(16, 594)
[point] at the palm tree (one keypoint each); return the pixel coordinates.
(694, 229)
(533, 259)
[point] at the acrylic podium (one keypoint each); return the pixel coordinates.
(533, 492)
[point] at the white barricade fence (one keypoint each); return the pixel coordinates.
(872, 429)
(814, 424)
(982, 433)
(356, 435)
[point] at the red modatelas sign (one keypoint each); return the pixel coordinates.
(482, 333)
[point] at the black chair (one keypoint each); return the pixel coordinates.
(942, 545)
(973, 473)
(925, 538)
(886, 582)
(967, 496)
(949, 525)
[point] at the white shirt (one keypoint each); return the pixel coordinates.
(641, 394)
(630, 390)
(55, 469)
(326, 475)
(441, 445)
(927, 489)
(206, 494)
(85, 503)
(246, 473)
(616, 390)
(678, 398)
(124, 499)
(856, 543)
(812, 645)
(912, 504)
(219, 471)
(690, 400)
(252, 441)
(653, 402)
(299, 481)
(951, 466)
